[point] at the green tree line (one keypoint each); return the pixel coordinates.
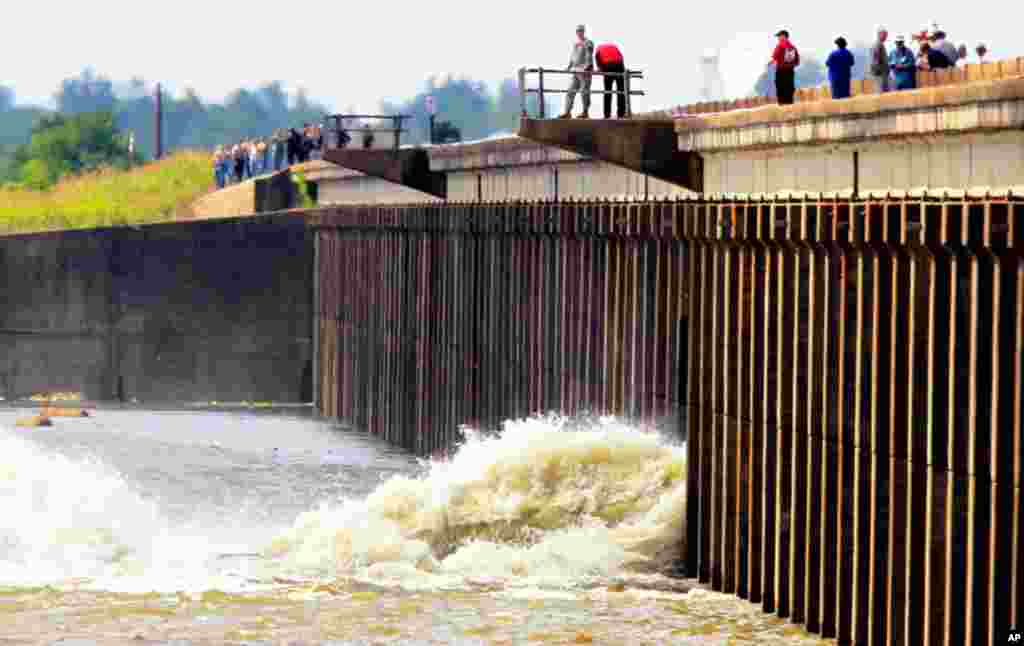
(38, 145)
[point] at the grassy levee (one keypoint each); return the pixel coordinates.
(155, 192)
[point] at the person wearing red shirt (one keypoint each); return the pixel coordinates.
(786, 59)
(609, 59)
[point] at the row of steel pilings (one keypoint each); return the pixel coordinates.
(434, 317)
(855, 413)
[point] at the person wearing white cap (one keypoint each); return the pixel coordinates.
(879, 62)
(582, 62)
(904, 65)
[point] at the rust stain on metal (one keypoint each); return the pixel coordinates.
(848, 376)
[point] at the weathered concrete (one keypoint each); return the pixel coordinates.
(508, 168)
(406, 166)
(338, 186)
(198, 311)
(274, 192)
(645, 146)
(952, 137)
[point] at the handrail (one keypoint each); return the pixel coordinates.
(540, 90)
(396, 120)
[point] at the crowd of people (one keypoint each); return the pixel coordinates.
(890, 70)
(253, 157)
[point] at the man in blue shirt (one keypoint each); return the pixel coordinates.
(840, 68)
(903, 65)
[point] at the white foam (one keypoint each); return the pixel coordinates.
(538, 502)
(67, 519)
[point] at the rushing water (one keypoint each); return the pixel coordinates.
(275, 527)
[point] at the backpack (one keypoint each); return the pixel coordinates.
(790, 57)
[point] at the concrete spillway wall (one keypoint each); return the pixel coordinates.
(217, 310)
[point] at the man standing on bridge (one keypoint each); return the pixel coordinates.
(609, 60)
(786, 59)
(582, 62)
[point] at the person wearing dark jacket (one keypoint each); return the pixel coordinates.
(294, 145)
(933, 58)
(840, 68)
(609, 59)
(786, 59)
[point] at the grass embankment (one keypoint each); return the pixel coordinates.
(155, 192)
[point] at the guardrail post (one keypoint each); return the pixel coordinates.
(540, 91)
(626, 91)
(522, 91)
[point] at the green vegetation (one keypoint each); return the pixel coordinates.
(63, 145)
(71, 168)
(468, 105)
(151, 193)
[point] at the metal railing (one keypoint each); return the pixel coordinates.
(340, 132)
(540, 90)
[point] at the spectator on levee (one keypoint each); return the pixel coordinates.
(218, 167)
(238, 155)
(840, 68)
(609, 59)
(581, 61)
(879, 64)
(786, 59)
(294, 143)
(901, 61)
(947, 48)
(930, 58)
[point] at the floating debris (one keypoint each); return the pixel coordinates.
(56, 411)
(57, 397)
(33, 422)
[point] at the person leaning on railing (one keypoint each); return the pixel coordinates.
(609, 60)
(581, 61)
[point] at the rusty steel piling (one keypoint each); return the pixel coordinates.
(847, 373)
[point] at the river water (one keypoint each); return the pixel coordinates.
(270, 526)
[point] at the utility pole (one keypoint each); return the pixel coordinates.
(159, 147)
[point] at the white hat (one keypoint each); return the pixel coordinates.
(880, 29)
(900, 39)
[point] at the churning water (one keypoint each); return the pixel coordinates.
(245, 527)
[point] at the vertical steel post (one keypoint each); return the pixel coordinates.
(540, 92)
(625, 90)
(522, 92)
(316, 321)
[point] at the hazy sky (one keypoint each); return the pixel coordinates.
(355, 54)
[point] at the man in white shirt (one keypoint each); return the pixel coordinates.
(582, 62)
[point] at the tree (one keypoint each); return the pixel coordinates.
(466, 103)
(6, 98)
(63, 144)
(86, 93)
(508, 107)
